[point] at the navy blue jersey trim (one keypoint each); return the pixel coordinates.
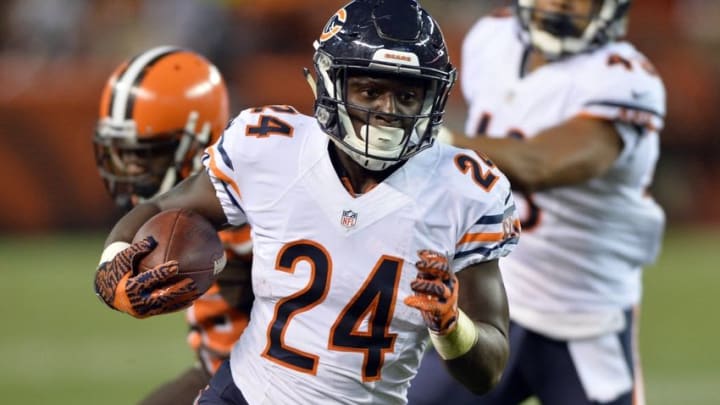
(232, 199)
(523, 71)
(609, 103)
(228, 192)
(490, 219)
(495, 219)
(224, 155)
(482, 250)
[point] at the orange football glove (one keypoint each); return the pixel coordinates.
(436, 292)
(121, 287)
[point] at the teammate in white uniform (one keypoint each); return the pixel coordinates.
(363, 246)
(572, 117)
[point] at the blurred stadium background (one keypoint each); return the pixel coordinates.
(59, 345)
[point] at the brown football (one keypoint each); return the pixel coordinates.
(190, 239)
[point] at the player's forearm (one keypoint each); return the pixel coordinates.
(572, 152)
(125, 229)
(523, 167)
(480, 369)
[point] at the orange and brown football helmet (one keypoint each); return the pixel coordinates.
(158, 112)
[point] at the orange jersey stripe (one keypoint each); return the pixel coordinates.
(235, 236)
(220, 175)
(482, 237)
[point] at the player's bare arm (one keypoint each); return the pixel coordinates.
(482, 298)
(470, 334)
(572, 152)
(195, 193)
(119, 283)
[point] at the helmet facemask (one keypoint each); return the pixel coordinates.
(377, 147)
(158, 111)
(558, 34)
(136, 168)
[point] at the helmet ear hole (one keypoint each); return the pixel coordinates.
(356, 40)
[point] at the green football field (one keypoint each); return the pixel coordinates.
(60, 345)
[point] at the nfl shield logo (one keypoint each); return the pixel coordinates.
(348, 219)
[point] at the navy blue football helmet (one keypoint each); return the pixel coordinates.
(555, 34)
(381, 37)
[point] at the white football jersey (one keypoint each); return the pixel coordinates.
(583, 245)
(330, 271)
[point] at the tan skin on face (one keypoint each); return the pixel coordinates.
(384, 95)
(380, 94)
(579, 7)
(129, 162)
(576, 7)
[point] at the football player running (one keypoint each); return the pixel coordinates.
(368, 236)
(571, 114)
(158, 112)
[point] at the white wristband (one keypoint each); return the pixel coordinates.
(111, 250)
(457, 342)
